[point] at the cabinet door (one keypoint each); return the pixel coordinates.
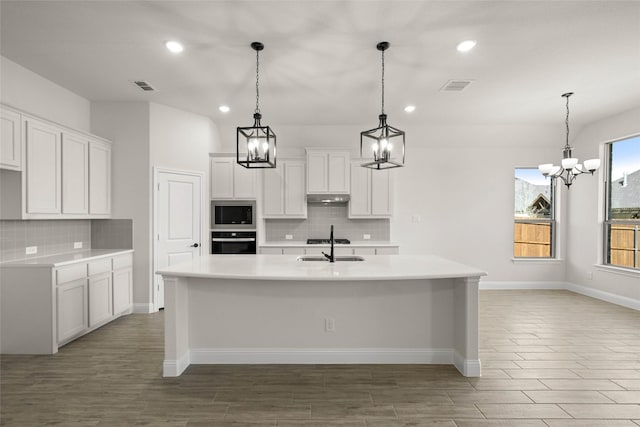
(338, 172)
(100, 305)
(270, 251)
(72, 309)
(43, 168)
(99, 178)
(317, 169)
(10, 140)
(222, 177)
(360, 201)
(122, 290)
(272, 192)
(75, 174)
(244, 182)
(381, 193)
(295, 200)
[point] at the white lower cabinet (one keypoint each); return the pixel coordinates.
(44, 307)
(122, 290)
(100, 299)
(72, 313)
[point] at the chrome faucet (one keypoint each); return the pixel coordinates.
(331, 257)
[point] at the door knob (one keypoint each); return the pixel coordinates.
(195, 245)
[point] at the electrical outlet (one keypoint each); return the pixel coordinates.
(288, 236)
(415, 218)
(589, 275)
(366, 236)
(77, 245)
(30, 250)
(329, 324)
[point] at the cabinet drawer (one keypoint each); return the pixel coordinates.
(71, 273)
(99, 266)
(122, 261)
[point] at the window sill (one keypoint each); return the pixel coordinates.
(617, 270)
(537, 260)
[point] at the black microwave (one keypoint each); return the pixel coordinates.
(231, 215)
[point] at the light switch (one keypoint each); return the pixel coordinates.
(288, 236)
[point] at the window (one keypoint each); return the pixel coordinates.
(534, 215)
(622, 220)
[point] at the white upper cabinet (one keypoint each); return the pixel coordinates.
(43, 164)
(63, 174)
(371, 192)
(75, 174)
(99, 178)
(229, 180)
(327, 171)
(283, 190)
(10, 139)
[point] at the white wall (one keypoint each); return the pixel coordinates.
(30, 92)
(127, 126)
(586, 212)
(458, 181)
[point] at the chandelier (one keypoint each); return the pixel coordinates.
(256, 145)
(570, 168)
(382, 147)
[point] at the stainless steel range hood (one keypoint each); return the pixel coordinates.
(328, 198)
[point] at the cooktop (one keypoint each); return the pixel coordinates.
(327, 241)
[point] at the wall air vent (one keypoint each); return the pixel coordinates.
(457, 85)
(145, 86)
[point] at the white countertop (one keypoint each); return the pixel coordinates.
(286, 267)
(59, 260)
(304, 244)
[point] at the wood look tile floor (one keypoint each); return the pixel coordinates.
(550, 358)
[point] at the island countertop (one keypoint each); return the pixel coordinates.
(287, 267)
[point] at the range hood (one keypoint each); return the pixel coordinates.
(328, 198)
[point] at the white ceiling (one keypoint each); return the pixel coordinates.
(320, 64)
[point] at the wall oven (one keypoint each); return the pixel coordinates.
(233, 242)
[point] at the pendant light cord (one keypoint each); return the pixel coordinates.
(257, 81)
(382, 81)
(566, 122)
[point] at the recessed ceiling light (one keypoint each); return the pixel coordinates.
(174, 46)
(466, 45)
(224, 108)
(410, 108)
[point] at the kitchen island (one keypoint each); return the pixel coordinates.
(255, 309)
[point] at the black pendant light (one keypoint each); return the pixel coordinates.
(382, 147)
(256, 145)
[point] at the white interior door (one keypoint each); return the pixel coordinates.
(179, 223)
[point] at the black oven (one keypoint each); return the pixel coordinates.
(233, 242)
(232, 215)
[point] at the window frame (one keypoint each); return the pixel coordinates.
(552, 221)
(607, 221)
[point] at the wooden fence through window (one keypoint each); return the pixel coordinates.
(623, 240)
(532, 239)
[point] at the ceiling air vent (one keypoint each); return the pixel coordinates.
(145, 86)
(457, 85)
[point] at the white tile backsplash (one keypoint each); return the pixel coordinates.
(318, 222)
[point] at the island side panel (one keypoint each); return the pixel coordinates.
(263, 321)
(176, 326)
(466, 356)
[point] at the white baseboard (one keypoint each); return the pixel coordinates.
(143, 308)
(565, 286)
(173, 368)
(467, 367)
(604, 296)
(513, 285)
(321, 356)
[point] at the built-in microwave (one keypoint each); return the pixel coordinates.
(233, 215)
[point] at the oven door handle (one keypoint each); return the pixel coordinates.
(231, 239)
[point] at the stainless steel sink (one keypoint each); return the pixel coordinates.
(323, 258)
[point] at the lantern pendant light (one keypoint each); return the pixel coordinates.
(382, 147)
(570, 168)
(256, 145)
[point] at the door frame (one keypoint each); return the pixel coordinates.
(154, 236)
